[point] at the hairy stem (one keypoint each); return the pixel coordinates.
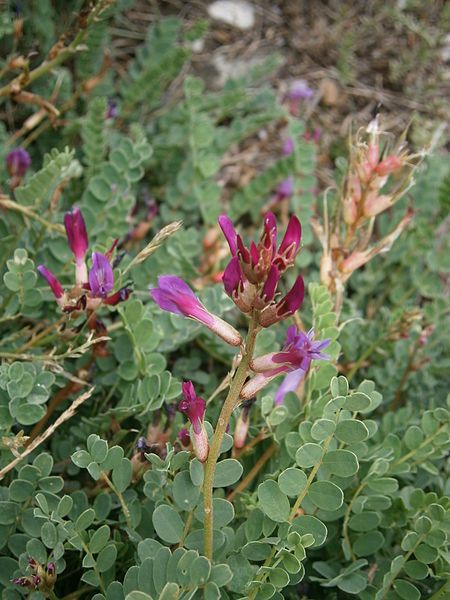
(347, 519)
(228, 406)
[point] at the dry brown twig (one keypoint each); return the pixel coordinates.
(67, 414)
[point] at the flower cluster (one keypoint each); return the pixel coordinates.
(370, 169)
(41, 578)
(295, 358)
(251, 277)
(93, 286)
(194, 408)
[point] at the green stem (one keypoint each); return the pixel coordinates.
(123, 504)
(425, 442)
(386, 589)
(18, 83)
(94, 567)
(228, 406)
(347, 518)
(186, 529)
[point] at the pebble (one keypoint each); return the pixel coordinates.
(236, 13)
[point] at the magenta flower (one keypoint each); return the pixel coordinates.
(252, 275)
(78, 242)
(286, 307)
(229, 232)
(290, 245)
(17, 162)
(54, 284)
(294, 358)
(175, 296)
(101, 277)
(194, 408)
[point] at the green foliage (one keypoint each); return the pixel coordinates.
(93, 136)
(348, 474)
(57, 166)
(157, 63)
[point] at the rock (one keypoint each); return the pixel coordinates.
(236, 13)
(332, 94)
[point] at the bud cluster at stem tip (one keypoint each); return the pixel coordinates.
(194, 408)
(252, 276)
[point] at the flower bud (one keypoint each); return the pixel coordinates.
(17, 162)
(78, 242)
(54, 284)
(388, 165)
(101, 277)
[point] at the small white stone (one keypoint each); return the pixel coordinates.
(236, 13)
(197, 46)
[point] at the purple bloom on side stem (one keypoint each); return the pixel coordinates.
(101, 277)
(78, 241)
(295, 358)
(174, 295)
(194, 408)
(302, 347)
(54, 284)
(18, 162)
(285, 189)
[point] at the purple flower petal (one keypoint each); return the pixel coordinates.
(192, 406)
(290, 384)
(232, 276)
(52, 281)
(269, 238)
(293, 299)
(76, 234)
(291, 240)
(101, 277)
(300, 90)
(270, 286)
(229, 232)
